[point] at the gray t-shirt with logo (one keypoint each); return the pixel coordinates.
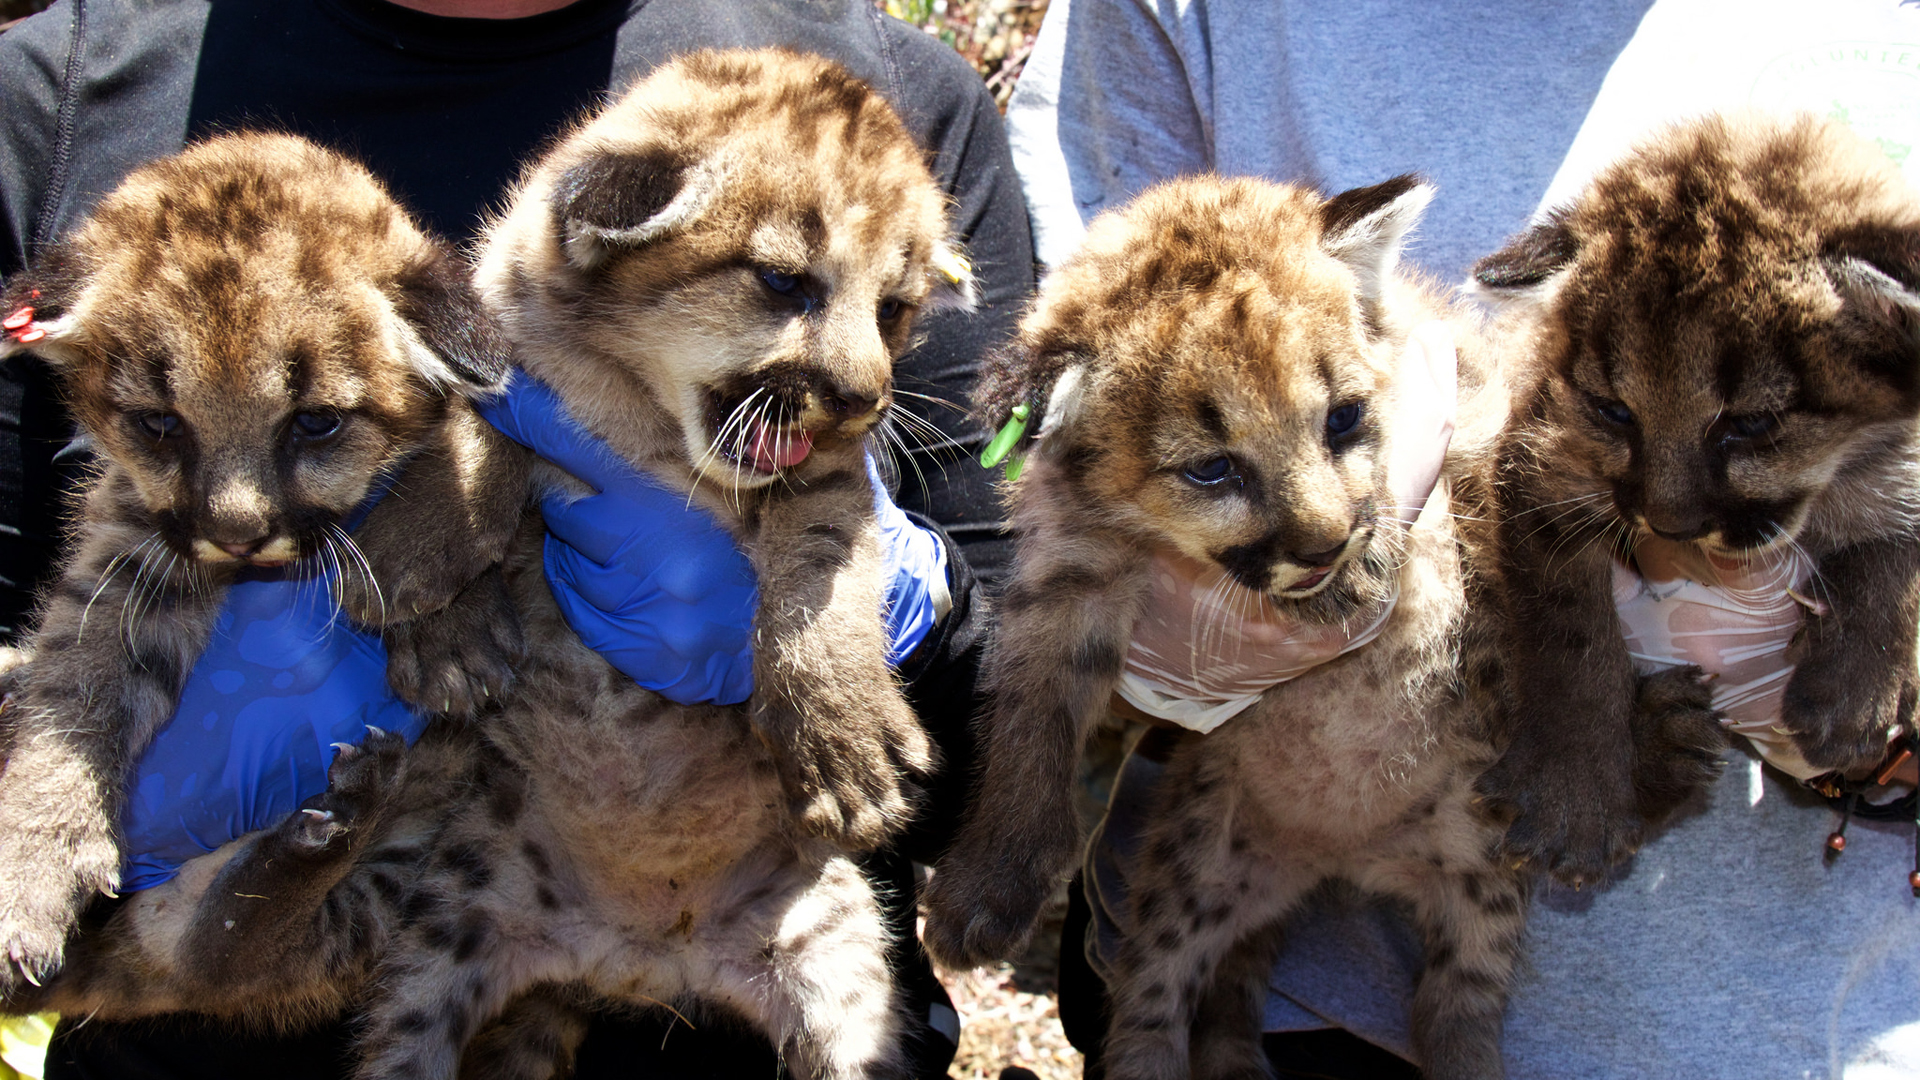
(1732, 949)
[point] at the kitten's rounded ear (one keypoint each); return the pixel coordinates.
(622, 199)
(1052, 388)
(1877, 275)
(1530, 263)
(450, 338)
(1366, 228)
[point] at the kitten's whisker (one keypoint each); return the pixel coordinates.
(106, 577)
(346, 541)
(931, 399)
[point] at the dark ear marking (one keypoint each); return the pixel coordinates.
(1879, 320)
(438, 300)
(1048, 383)
(1347, 209)
(35, 304)
(1530, 258)
(1006, 379)
(617, 192)
(1365, 228)
(625, 199)
(48, 286)
(1892, 251)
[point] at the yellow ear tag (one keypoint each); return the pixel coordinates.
(1004, 441)
(952, 265)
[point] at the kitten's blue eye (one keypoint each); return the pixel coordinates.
(1342, 420)
(315, 425)
(160, 425)
(1613, 412)
(889, 310)
(784, 284)
(1209, 472)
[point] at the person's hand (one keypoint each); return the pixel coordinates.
(283, 677)
(656, 585)
(915, 573)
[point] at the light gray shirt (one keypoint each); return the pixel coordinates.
(1731, 949)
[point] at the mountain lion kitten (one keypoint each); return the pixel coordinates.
(715, 274)
(1216, 372)
(255, 340)
(1723, 330)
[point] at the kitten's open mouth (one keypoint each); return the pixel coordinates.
(1311, 580)
(1309, 585)
(767, 449)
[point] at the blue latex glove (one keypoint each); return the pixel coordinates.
(657, 586)
(916, 573)
(283, 677)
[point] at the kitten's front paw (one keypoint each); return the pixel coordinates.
(844, 778)
(1574, 824)
(454, 660)
(1677, 740)
(47, 879)
(980, 907)
(1840, 714)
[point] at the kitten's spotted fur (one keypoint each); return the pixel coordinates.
(252, 335)
(1725, 335)
(741, 228)
(1237, 320)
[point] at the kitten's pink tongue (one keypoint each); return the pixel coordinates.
(770, 450)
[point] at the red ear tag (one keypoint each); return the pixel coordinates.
(20, 317)
(35, 293)
(32, 336)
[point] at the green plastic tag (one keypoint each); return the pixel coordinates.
(1005, 439)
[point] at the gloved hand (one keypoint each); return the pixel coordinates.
(657, 586)
(282, 678)
(915, 573)
(1734, 618)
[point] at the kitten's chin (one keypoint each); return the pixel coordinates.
(1355, 585)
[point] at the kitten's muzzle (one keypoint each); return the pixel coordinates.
(264, 551)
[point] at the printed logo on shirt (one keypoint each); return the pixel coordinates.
(1857, 61)
(1872, 87)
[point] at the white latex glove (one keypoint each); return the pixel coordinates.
(1208, 647)
(1734, 618)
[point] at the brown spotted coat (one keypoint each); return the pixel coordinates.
(1234, 320)
(1724, 335)
(251, 334)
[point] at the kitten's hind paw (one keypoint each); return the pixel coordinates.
(855, 810)
(987, 891)
(845, 781)
(1841, 715)
(1576, 826)
(360, 784)
(973, 921)
(47, 884)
